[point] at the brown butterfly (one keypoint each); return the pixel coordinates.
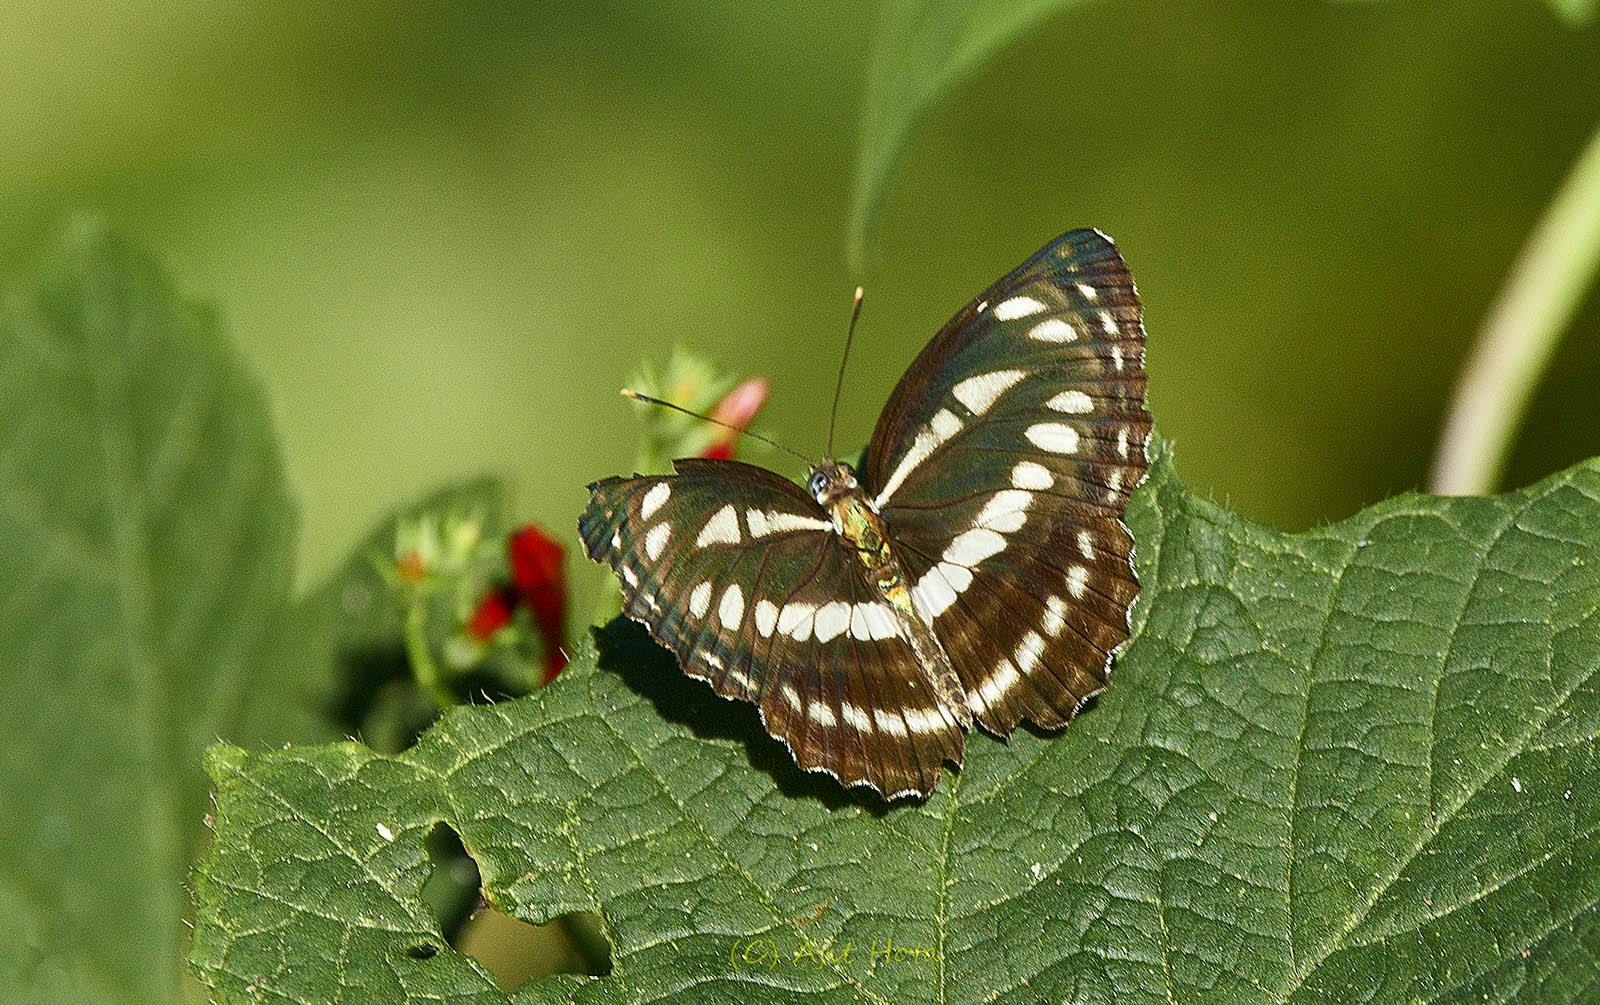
(975, 568)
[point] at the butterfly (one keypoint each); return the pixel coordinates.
(974, 570)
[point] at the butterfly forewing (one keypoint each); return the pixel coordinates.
(1002, 467)
(740, 574)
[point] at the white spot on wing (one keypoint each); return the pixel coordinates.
(1114, 484)
(1055, 616)
(1089, 293)
(821, 713)
(1071, 402)
(941, 427)
(832, 620)
(888, 722)
(722, 528)
(936, 591)
(981, 392)
(1028, 652)
(1108, 323)
(1055, 437)
(1005, 511)
(700, 600)
(795, 620)
(1122, 442)
(1017, 307)
(1116, 357)
(655, 542)
(856, 717)
(653, 500)
(1077, 581)
(731, 609)
(765, 522)
(872, 621)
(791, 696)
(925, 720)
(1028, 475)
(973, 546)
(1085, 544)
(1002, 680)
(766, 618)
(1053, 330)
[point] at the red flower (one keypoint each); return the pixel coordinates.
(737, 408)
(540, 582)
(493, 613)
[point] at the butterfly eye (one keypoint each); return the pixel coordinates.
(818, 480)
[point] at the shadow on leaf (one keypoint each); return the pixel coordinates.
(651, 672)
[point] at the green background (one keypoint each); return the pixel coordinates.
(445, 236)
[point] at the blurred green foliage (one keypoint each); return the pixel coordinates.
(445, 236)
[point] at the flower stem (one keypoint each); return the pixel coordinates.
(423, 666)
(1518, 338)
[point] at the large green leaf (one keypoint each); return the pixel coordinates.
(145, 558)
(1356, 764)
(146, 547)
(920, 49)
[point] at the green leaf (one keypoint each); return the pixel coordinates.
(145, 560)
(920, 51)
(1355, 764)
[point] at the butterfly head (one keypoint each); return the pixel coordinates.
(830, 480)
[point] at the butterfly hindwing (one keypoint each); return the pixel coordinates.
(1002, 466)
(740, 574)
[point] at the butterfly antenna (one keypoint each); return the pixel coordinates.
(629, 392)
(838, 385)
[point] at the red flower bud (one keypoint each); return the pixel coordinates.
(737, 408)
(410, 567)
(536, 570)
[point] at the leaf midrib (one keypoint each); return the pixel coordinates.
(152, 727)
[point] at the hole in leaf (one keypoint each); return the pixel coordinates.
(509, 949)
(423, 951)
(514, 951)
(451, 891)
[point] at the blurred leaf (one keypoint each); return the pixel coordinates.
(1577, 12)
(146, 542)
(920, 51)
(1354, 764)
